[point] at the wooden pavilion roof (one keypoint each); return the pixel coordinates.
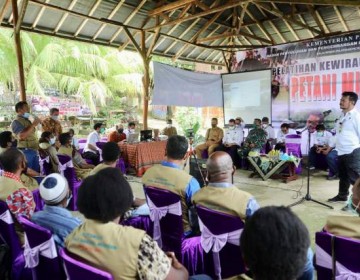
(193, 30)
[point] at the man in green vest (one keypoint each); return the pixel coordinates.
(220, 194)
(169, 175)
(25, 133)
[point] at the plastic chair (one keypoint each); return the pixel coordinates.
(67, 170)
(9, 236)
(39, 202)
(45, 165)
(40, 252)
(344, 251)
(76, 269)
(224, 261)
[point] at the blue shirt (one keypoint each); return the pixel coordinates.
(252, 205)
(58, 220)
(191, 188)
(17, 127)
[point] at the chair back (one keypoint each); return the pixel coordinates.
(45, 165)
(166, 215)
(76, 269)
(225, 260)
(39, 202)
(68, 171)
(336, 256)
(9, 236)
(40, 252)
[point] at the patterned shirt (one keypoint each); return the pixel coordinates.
(152, 262)
(256, 136)
(21, 201)
(51, 125)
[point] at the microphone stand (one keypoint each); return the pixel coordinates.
(307, 196)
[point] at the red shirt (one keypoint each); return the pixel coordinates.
(116, 137)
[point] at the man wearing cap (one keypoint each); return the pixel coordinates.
(54, 190)
(169, 130)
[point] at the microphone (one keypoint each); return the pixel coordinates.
(326, 113)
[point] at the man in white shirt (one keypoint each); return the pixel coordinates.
(322, 140)
(239, 123)
(130, 129)
(91, 151)
(284, 131)
(347, 145)
(270, 133)
(231, 141)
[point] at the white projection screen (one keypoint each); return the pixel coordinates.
(247, 95)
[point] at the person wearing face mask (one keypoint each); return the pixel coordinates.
(16, 195)
(47, 149)
(24, 131)
(232, 140)
(52, 123)
(255, 140)
(213, 138)
(75, 141)
(7, 141)
(130, 129)
(55, 192)
(347, 226)
(169, 130)
(270, 137)
(117, 135)
(322, 141)
(91, 151)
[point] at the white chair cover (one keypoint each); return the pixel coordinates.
(41, 162)
(46, 249)
(6, 217)
(63, 167)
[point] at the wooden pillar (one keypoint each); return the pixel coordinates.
(146, 79)
(18, 50)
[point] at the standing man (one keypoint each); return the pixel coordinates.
(25, 133)
(232, 141)
(169, 130)
(91, 151)
(52, 123)
(213, 137)
(347, 145)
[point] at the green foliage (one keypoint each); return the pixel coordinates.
(187, 117)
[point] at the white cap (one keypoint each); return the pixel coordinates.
(53, 189)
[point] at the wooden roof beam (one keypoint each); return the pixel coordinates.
(92, 11)
(350, 3)
(220, 7)
(63, 18)
(230, 34)
(341, 18)
(4, 9)
(261, 26)
(288, 25)
(21, 15)
(277, 31)
(289, 18)
(171, 6)
(39, 15)
(112, 14)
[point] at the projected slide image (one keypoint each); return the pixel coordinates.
(247, 95)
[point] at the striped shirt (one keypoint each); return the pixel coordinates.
(58, 220)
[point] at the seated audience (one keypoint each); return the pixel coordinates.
(169, 130)
(270, 133)
(75, 141)
(91, 150)
(110, 155)
(239, 123)
(51, 123)
(213, 138)
(7, 141)
(233, 201)
(284, 131)
(47, 149)
(347, 226)
(130, 129)
(170, 176)
(275, 245)
(117, 135)
(18, 197)
(82, 168)
(25, 133)
(232, 141)
(55, 192)
(322, 140)
(255, 140)
(125, 252)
